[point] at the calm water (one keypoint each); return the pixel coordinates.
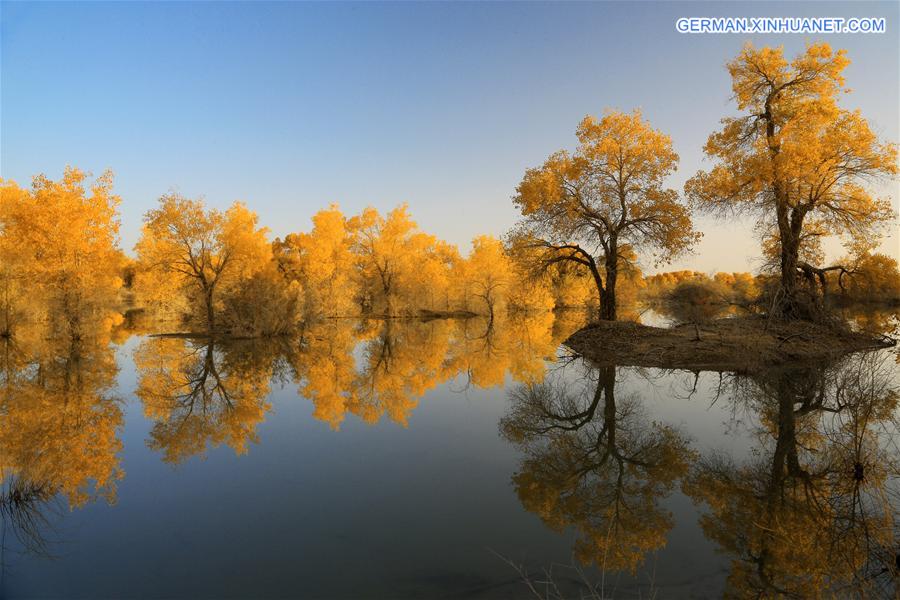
(409, 459)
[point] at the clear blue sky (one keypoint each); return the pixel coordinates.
(292, 106)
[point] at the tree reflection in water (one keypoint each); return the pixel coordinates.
(59, 432)
(203, 393)
(208, 392)
(594, 461)
(28, 510)
(811, 512)
(814, 511)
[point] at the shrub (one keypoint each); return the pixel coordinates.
(697, 302)
(263, 305)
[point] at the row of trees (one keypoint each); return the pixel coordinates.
(219, 270)
(61, 266)
(794, 159)
(862, 279)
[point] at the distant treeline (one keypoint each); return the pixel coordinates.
(871, 278)
(217, 272)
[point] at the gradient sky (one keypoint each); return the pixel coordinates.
(292, 106)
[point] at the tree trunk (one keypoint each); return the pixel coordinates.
(608, 301)
(210, 312)
(598, 281)
(607, 381)
(7, 328)
(790, 246)
(790, 254)
(790, 227)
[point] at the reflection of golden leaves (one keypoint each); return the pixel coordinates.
(323, 359)
(59, 424)
(812, 515)
(202, 393)
(596, 463)
(401, 360)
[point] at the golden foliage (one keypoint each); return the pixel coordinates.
(58, 249)
(323, 263)
(598, 207)
(875, 278)
(490, 274)
(228, 279)
(795, 159)
(402, 269)
(200, 254)
(739, 288)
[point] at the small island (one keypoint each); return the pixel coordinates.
(741, 345)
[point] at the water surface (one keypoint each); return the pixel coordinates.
(409, 459)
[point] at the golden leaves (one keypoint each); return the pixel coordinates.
(322, 262)
(204, 253)
(58, 246)
(795, 152)
(587, 208)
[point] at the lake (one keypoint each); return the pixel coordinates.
(448, 458)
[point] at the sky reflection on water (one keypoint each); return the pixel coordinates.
(399, 459)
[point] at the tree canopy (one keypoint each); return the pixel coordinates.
(795, 160)
(606, 199)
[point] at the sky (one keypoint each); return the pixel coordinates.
(290, 107)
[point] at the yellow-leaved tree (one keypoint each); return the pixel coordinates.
(17, 308)
(322, 262)
(797, 161)
(586, 207)
(58, 244)
(534, 288)
(490, 273)
(379, 245)
(399, 265)
(204, 253)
